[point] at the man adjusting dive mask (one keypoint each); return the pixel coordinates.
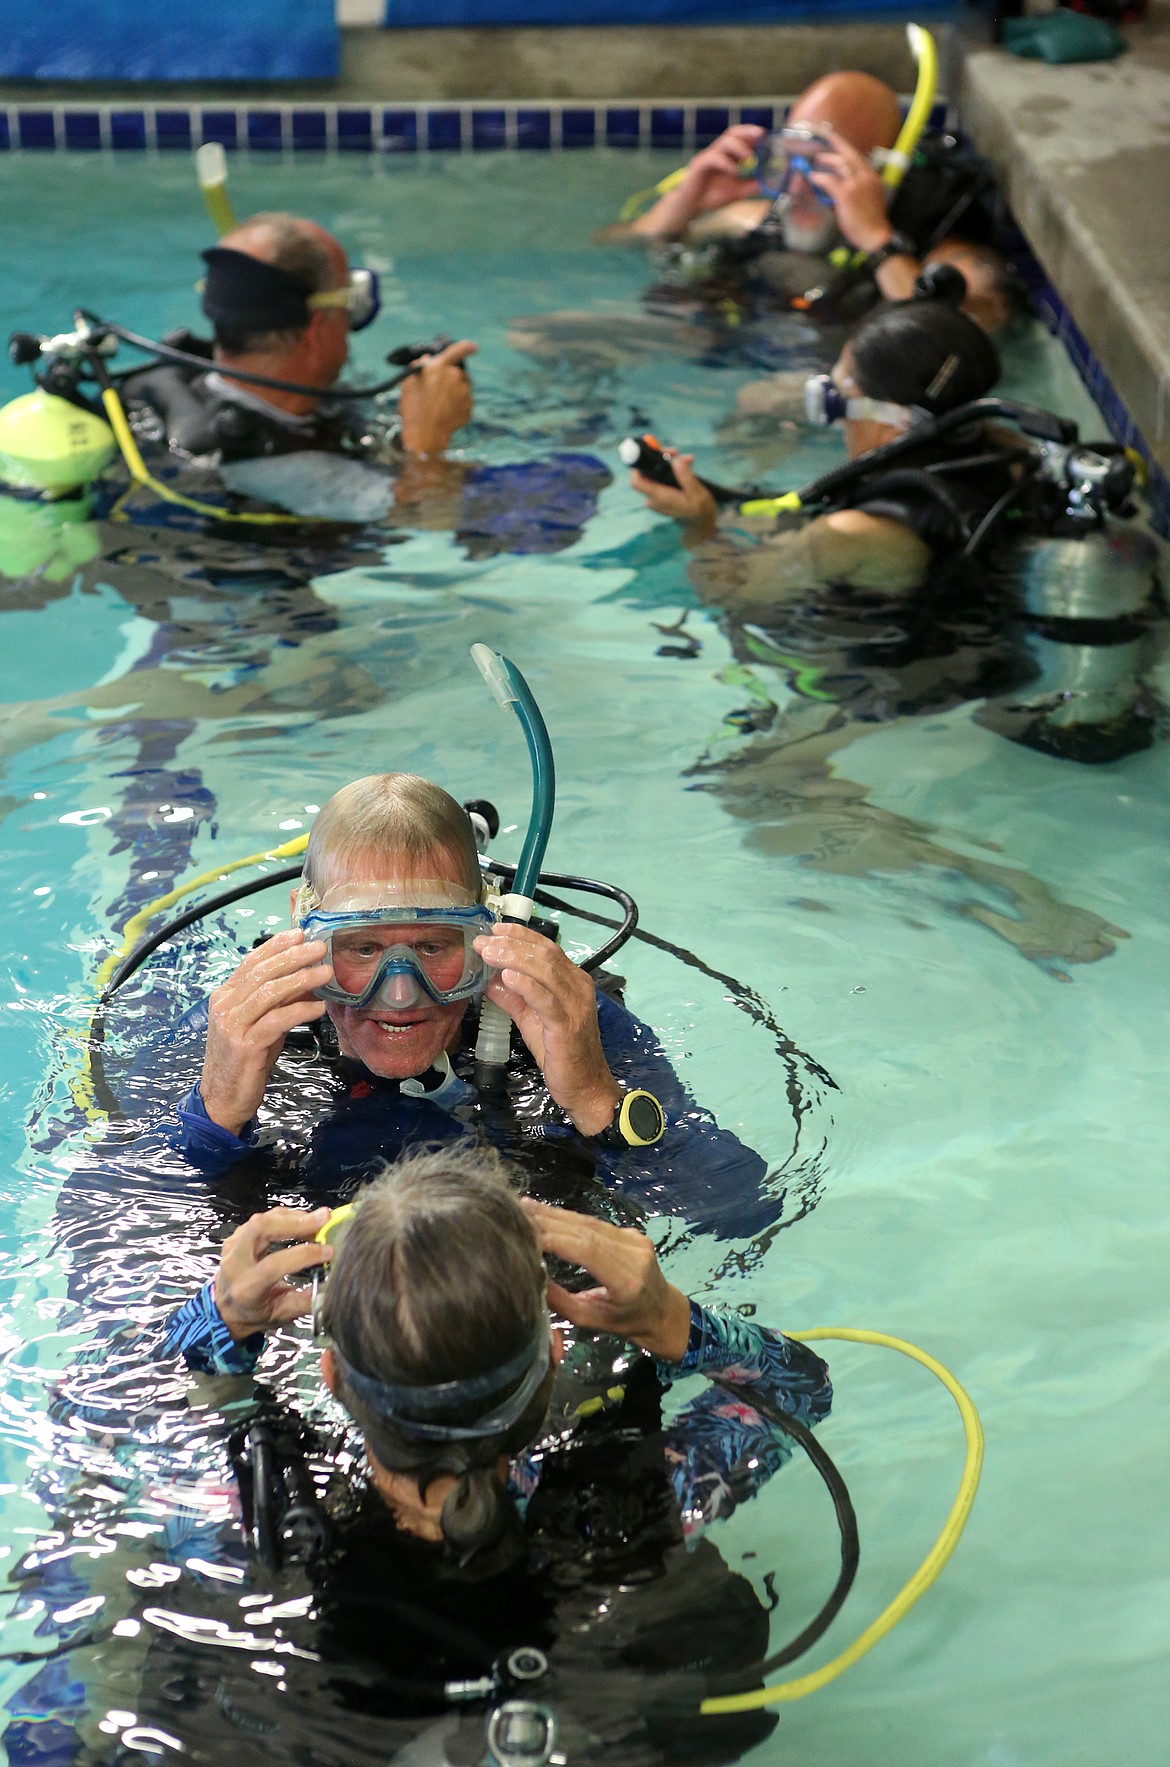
(390, 947)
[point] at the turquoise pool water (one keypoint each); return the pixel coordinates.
(969, 936)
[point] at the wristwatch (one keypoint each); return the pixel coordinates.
(638, 1121)
(898, 245)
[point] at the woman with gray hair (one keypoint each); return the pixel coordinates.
(499, 1513)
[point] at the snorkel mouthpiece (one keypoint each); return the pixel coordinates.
(509, 689)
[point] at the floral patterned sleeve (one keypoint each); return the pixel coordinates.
(720, 1449)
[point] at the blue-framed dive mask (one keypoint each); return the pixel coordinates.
(391, 947)
(361, 299)
(787, 152)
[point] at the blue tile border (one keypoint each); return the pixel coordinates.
(674, 126)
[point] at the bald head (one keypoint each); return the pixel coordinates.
(316, 260)
(862, 109)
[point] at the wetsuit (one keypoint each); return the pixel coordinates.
(616, 1580)
(327, 1123)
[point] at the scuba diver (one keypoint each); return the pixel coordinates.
(518, 1552)
(354, 1033)
(970, 549)
(283, 301)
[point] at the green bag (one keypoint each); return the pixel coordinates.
(1063, 36)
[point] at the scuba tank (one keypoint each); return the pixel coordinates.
(1087, 594)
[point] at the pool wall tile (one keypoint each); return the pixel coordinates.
(534, 128)
(668, 127)
(444, 130)
(83, 130)
(218, 125)
(265, 131)
(172, 129)
(578, 128)
(710, 122)
(623, 127)
(128, 130)
(5, 142)
(400, 131)
(355, 129)
(36, 129)
(309, 129)
(489, 128)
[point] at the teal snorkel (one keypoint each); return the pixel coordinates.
(510, 689)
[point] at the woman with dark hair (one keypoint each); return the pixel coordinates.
(906, 364)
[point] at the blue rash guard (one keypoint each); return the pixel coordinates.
(341, 1122)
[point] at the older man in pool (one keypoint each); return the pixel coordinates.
(281, 297)
(392, 881)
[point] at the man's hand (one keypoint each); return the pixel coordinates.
(713, 177)
(858, 192)
(252, 1291)
(436, 401)
(689, 502)
(553, 1005)
(248, 1019)
(632, 1299)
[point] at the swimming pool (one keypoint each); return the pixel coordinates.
(991, 1181)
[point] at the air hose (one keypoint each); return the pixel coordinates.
(928, 1570)
(1044, 425)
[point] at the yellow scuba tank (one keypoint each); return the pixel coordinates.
(51, 446)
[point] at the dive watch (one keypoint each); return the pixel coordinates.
(638, 1121)
(898, 245)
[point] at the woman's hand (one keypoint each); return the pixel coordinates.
(252, 1291)
(632, 1299)
(689, 501)
(553, 1005)
(248, 1018)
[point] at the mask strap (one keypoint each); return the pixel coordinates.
(864, 410)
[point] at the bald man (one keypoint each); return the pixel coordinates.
(840, 198)
(279, 294)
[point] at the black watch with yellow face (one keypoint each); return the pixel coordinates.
(638, 1121)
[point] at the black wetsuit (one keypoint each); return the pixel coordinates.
(196, 413)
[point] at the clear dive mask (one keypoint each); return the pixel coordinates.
(391, 948)
(787, 153)
(361, 299)
(826, 403)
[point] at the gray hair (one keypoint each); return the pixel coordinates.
(392, 816)
(439, 1277)
(294, 248)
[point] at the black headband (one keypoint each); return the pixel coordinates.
(243, 291)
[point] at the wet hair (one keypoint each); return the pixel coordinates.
(392, 816)
(302, 255)
(439, 1277)
(924, 352)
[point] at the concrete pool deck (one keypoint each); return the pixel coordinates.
(1082, 154)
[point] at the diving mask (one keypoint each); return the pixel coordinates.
(826, 402)
(361, 299)
(389, 946)
(788, 153)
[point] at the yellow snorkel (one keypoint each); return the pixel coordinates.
(211, 171)
(925, 54)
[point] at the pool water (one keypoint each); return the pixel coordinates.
(968, 936)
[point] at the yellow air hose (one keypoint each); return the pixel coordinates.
(81, 1085)
(141, 475)
(211, 171)
(931, 1565)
